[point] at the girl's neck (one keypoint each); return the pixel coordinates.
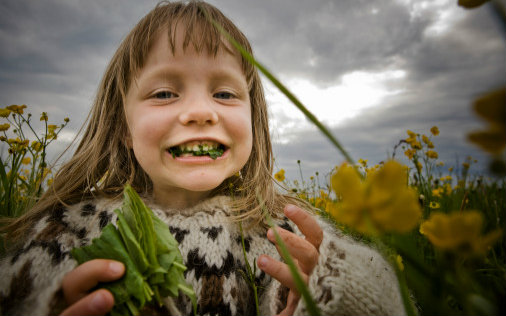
(179, 198)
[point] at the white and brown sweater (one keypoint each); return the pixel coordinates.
(349, 279)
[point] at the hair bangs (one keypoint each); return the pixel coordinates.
(193, 19)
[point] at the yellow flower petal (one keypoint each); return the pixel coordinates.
(492, 107)
(492, 141)
(280, 175)
(434, 130)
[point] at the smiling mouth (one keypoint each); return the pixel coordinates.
(198, 148)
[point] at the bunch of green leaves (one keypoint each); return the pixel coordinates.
(144, 244)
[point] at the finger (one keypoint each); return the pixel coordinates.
(99, 302)
(306, 223)
(279, 271)
(86, 276)
(291, 304)
(302, 250)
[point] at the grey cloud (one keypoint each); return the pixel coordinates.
(54, 53)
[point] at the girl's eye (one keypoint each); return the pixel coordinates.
(223, 95)
(165, 95)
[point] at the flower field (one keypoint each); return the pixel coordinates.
(442, 230)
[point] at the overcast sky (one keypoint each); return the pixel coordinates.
(369, 69)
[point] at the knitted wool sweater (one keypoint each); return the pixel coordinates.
(349, 279)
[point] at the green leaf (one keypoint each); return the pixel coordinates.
(110, 246)
(134, 249)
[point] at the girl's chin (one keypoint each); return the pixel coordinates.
(202, 185)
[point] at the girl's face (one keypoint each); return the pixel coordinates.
(188, 102)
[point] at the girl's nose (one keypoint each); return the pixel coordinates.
(198, 112)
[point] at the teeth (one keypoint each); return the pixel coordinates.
(195, 146)
(198, 148)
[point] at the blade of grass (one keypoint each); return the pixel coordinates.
(282, 88)
(299, 282)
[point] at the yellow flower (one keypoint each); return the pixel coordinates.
(434, 205)
(323, 194)
(17, 108)
(302, 196)
(448, 188)
(492, 108)
(434, 130)
(432, 154)
(416, 145)
(49, 181)
(37, 146)
(43, 116)
(381, 203)
(26, 160)
(419, 166)
(425, 139)
(430, 145)
(450, 169)
(437, 192)
(51, 127)
(5, 112)
(4, 127)
(280, 175)
(363, 162)
(446, 178)
(411, 134)
(492, 140)
(398, 260)
(459, 232)
(319, 202)
(465, 165)
(410, 153)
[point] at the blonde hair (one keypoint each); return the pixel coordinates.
(103, 164)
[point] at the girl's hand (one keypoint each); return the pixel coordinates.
(304, 252)
(78, 282)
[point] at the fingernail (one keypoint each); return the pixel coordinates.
(98, 302)
(270, 234)
(263, 261)
(290, 209)
(116, 268)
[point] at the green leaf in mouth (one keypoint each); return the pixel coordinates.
(214, 153)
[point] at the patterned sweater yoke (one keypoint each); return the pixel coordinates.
(349, 279)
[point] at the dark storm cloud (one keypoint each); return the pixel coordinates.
(54, 54)
(321, 39)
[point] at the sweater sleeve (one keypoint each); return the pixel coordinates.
(349, 279)
(32, 275)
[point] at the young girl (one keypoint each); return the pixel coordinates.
(181, 116)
